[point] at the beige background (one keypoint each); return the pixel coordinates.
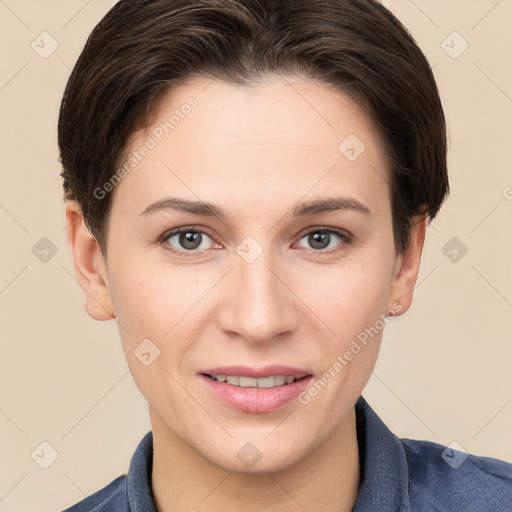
(444, 370)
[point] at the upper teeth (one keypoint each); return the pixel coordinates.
(251, 382)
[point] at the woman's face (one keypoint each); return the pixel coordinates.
(274, 281)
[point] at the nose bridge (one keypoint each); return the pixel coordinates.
(259, 305)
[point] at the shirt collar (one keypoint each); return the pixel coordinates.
(384, 474)
(138, 486)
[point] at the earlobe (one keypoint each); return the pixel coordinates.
(89, 265)
(406, 268)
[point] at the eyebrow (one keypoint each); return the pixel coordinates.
(301, 210)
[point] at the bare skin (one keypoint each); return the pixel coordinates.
(256, 153)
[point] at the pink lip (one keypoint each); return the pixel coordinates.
(248, 371)
(257, 400)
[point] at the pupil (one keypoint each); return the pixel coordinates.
(317, 238)
(189, 240)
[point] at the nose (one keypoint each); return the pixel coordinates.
(258, 302)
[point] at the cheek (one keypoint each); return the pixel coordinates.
(149, 301)
(151, 326)
(352, 305)
(167, 306)
(350, 297)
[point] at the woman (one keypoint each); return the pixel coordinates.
(248, 184)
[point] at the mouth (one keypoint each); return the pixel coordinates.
(252, 382)
(255, 391)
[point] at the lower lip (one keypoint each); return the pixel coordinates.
(256, 399)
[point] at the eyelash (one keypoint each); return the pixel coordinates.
(345, 237)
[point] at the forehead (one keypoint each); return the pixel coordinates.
(284, 134)
(298, 111)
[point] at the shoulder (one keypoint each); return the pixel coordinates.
(111, 497)
(450, 479)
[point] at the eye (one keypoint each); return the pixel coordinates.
(187, 240)
(321, 239)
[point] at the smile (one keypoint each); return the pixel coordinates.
(252, 382)
(255, 394)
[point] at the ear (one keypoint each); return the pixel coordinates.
(406, 268)
(90, 267)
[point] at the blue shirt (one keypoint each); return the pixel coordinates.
(401, 475)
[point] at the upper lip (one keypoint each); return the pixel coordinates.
(257, 373)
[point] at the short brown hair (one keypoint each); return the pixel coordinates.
(141, 48)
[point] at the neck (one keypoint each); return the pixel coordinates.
(325, 480)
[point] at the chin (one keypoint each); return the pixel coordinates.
(252, 459)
